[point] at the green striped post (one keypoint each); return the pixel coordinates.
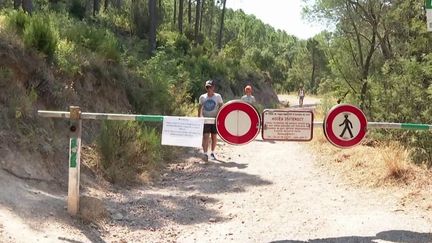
(74, 159)
(429, 14)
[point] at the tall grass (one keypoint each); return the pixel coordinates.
(397, 160)
(40, 35)
(17, 21)
(128, 149)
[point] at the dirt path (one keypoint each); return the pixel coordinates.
(293, 101)
(292, 200)
(260, 192)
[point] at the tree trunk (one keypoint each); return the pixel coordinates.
(17, 4)
(53, 3)
(210, 24)
(190, 12)
(219, 42)
(117, 4)
(27, 5)
(106, 5)
(201, 15)
(95, 7)
(180, 17)
(175, 12)
(153, 24)
(312, 81)
(160, 14)
(197, 18)
(363, 93)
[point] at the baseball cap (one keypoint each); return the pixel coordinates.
(209, 83)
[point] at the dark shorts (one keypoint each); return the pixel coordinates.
(210, 128)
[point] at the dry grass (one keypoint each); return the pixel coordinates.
(382, 165)
(397, 161)
(386, 166)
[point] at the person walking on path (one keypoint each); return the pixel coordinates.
(209, 104)
(248, 97)
(301, 95)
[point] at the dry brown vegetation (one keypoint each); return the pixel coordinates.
(381, 165)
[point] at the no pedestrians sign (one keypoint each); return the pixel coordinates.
(345, 126)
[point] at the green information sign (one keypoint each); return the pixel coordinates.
(428, 4)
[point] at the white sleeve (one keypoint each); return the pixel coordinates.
(201, 100)
(220, 99)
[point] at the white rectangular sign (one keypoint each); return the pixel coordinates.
(182, 131)
(287, 125)
(429, 19)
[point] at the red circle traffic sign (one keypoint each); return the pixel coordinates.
(238, 122)
(345, 126)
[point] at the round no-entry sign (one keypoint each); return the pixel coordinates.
(238, 122)
(345, 126)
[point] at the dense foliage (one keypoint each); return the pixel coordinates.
(377, 54)
(380, 58)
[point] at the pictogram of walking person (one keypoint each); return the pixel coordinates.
(348, 126)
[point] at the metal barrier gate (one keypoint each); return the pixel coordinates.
(76, 116)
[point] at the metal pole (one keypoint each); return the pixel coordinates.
(74, 159)
(111, 116)
(159, 118)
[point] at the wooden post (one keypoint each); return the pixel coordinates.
(74, 160)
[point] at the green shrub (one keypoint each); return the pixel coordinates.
(40, 34)
(150, 92)
(109, 47)
(78, 9)
(67, 57)
(17, 21)
(99, 40)
(128, 149)
(182, 44)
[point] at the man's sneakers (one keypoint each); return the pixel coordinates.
(206, 157)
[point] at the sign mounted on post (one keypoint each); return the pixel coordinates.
(182, 131)
(238, 122)
(287, 125)
(429, 14)
(345, 126)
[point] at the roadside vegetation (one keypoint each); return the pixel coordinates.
(152, 57)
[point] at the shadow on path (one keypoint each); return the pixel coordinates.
(151, 211)
(391, 236)
(212, 177)
(39, 204)
(226, 164)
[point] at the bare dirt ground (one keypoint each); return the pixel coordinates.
(260, 192)
(293, 101)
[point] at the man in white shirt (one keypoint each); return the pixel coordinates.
(209, 104)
